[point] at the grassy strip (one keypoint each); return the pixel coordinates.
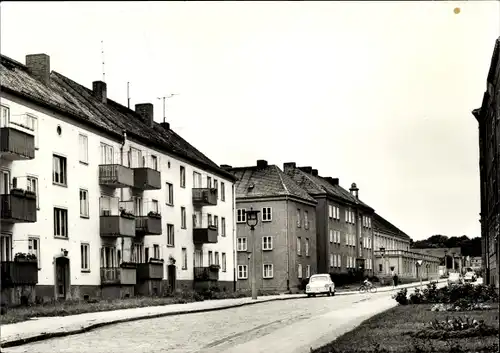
(75, 307)
(391, 332)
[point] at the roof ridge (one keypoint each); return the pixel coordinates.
(281, 179)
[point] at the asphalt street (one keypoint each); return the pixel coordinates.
(281, 326)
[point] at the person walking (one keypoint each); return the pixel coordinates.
(394, 278)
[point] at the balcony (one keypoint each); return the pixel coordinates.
(115, 219)
(116, 176)
(210, 273)
(148, 225)
(147, 179)
(151, 270)
(118, 275)
(206, 235)
(16, 273)
(16, 144)
(205, 197)
(18, 206)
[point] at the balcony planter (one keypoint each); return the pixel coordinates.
(30, 195)
(214, 268)
(154, 215)
(128, 265)
(155, 261)
(17, 192)
(128, 215)
(23, 257)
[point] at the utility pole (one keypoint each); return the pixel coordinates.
(163, 98)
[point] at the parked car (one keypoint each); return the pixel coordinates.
(320, 284)
(455, 278)
(470, 277)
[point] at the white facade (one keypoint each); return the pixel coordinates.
(84, 175)
(389, 242)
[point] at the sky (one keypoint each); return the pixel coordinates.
(377, 93)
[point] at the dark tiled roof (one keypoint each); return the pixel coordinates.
(267, 181)
(73, 99)
(317, 185)
(385, 226)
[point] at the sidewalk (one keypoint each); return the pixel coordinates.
(43, 328)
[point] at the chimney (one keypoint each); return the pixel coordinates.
(99, 91)
(226, 166)
(165, 125)
(289, 165)
(354, 190)
(261, 163)
(39, 67)
(332, 181)
(145, 110)
(307, 170)
(315, 172)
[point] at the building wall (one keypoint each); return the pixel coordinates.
(85, 176)
(404, 263)
(284, 229)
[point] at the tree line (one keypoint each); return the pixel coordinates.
(469, 246)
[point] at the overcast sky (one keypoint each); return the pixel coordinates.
(374, 93)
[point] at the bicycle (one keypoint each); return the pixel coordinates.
(364, 288)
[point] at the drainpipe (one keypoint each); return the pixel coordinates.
(287, 247)
(121, 189)
(234, 236)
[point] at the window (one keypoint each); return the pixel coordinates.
(184, 259)
(306, 220)
(242, 244)
(4, 182)
(298, 246)
(154, 162)
(216, 187)
(154, 206)
(210, 258)
(308, 271)
(266, 214)
(59, 170)
(182, 177)
(217, 258)
(170, 194)
(331, 260)
(209, 216)
(6, 247)
(183, 217)
(223, 262)
(223, 227)
(135, 158)
(34, 249)
(4, 116)
(330, 211)
(209, 182)
(222, 191)
(306, 249)
(83, 148)
(331, 235)
(267, 242)
(242, 271)
(216, 223)
(241, 216)
(338, 236)
(196, 180)
(32, 185)
(334, 261)
(60, 222)
(85, 257)
(299, 271)
(339, 261)
(336, 212)
(267, 271)
(298, 218)
(346, 239)
(170, 235)
(156, 252)
(106, 154)
(84, 203)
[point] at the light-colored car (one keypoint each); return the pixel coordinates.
(455, 278)
(320, 284)
(470, 277)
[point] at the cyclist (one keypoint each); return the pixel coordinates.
(367, 283)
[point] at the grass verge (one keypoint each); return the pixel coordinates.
(391, 332)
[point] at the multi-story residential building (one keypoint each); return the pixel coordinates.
(343, 222)
(111, 203)
(488, 117)
(285, 236)
(392, 253)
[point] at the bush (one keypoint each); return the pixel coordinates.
(417, 297)
(455, 328)
(401, 297)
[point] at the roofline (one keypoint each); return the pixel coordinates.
(274, 198)
(82, 119)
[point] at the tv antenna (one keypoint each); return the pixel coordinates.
(102, 57)
(128, 95)
(164, 98)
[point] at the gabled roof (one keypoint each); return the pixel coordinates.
(317, 185)
(267, 181)
(78, 102)
(384, 226)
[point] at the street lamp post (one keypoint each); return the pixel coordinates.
(419, 266)
(382, 253)
(252, 220)
(445, 261)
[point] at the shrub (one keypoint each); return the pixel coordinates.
(455, 328)
(401, 297)
(417, 297)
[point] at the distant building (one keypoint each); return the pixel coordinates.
(343, 222)
(285, 236)
(488, 117)
(450, 258)
(475, 263)
(392, 253)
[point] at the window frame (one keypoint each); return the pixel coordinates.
(170, 235)
(183, 218)
(223, 226)
(35, 239)
(85, 152)
(84, 245)
(299, 271)
(223, 262)
(269, 243)
(242, 271)
(182, 176)
(62, 166)
(267, 214)
(169, 188)
(59, 211)
(241, 215)
(222, 191)
(86, 193)
(184, 255)
(264, 271)
(29, 187)
(244, 241)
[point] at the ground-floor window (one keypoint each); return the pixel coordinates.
(6, 247)
(242, 271)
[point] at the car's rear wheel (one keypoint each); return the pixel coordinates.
(329, 293)
(309, 295)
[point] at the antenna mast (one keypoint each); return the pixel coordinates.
(128, 95)
(102, 56)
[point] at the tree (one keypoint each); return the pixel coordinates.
(469, 247)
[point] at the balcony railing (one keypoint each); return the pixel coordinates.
(19, 273)
(118, 275)
(16, 144)
(18, 207)
(147, 179)
(151, 270)
(205, 196)
(116, 176)
(205, 235)
(210, 273)
(148, 225)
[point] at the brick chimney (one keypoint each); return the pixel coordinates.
(332, 181)
(261, 163)
(307, 170)
(289, 166)
(354, 190)
(315, 172)
(146, 111)
(99, 90)
(39, 67)
(226, 166)
(165, 125)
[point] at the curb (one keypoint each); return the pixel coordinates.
(49, 335)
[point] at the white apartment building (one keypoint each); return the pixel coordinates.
(111, 203)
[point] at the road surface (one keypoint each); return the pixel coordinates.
(290, 326)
